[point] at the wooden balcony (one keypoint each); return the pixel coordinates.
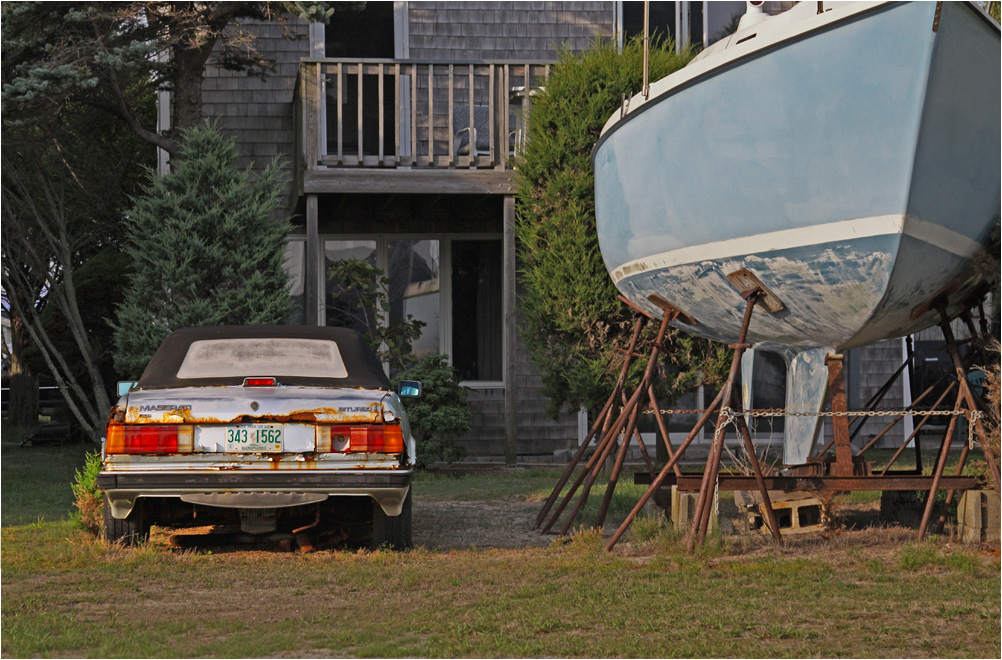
(411, 126)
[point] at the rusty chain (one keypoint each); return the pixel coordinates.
(727, 414)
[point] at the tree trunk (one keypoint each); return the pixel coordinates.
(23, 404)
(186, 101)
(23, 410)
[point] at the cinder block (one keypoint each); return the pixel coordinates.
(978, 516)
(796, 512)
(683, 506)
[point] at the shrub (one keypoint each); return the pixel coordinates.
(358, 299)
(440, 414)
(574, 320)
(87, 497)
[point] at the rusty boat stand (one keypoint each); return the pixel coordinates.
(616, 424)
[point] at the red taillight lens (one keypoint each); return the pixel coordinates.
(148, 439)
(388, 439)
(260, 382)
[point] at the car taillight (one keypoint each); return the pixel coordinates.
(149, 439)
(384, 439)
(260, 382)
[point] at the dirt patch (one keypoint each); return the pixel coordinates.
(462, 525)
(437, 525)
(507, 523)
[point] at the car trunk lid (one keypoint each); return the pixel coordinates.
(229, 404)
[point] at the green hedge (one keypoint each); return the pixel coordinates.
(574, 320)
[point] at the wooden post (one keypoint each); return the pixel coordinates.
(510, 372)
(310, 91)
(840, 423)
(313, 296)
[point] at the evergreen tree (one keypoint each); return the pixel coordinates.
(58, 54)
(574, 322)
(205, 248)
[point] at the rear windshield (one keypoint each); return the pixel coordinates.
(222, 358)
(295, 355)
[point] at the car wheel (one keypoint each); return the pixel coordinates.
(392, 531)
(133, 530)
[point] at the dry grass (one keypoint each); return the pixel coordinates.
(993, 391)
(484, 584)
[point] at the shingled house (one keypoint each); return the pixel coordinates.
(397, 125)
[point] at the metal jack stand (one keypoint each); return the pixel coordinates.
(965, 399)
(621, 427)
(697, 531)
(601, 424)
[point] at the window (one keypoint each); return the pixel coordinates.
(415, 289)
(295, 269)
(353, 35)
(476, 309)
(720, 19)
(662, 20)
(340, 301)
(452, 284)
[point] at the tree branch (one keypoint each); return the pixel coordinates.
(121, 108)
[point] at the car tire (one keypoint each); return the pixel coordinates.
(129, 531)
(392, 532)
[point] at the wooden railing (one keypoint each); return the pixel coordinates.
(406, 113)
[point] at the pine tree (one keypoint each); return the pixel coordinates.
(206, 250)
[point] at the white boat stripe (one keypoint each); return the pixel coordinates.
(940, 236)
(785, 239)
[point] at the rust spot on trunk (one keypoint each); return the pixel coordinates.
(315, 415)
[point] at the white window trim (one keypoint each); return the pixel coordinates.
(445, 285)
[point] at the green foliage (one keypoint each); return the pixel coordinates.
(358, 299)
(916, 556)
(87, 497)
(106, 54)
(205, 248)
(649, 527)
(68, 174)
(440, 414)
(574, 320)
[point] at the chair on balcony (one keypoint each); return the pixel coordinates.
(481, 130)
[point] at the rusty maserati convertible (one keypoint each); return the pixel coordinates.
(277, 429)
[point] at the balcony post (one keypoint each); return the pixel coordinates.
(509, 306)
(310, 91)
(313, 294)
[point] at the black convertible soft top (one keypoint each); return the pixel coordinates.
(363, 368)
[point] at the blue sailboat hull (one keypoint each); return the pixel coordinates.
(852, 166)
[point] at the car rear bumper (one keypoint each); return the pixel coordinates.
(255, 489)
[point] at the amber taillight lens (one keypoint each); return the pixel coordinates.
(375, 438)
(149, 438)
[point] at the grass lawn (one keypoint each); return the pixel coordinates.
(859, 594)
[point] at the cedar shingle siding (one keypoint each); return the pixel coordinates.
(527, 31)
(258, 112)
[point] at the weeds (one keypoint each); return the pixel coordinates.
(582, 540)
(648, 527)
(88, 498)
(916, 556)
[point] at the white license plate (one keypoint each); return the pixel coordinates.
(253, 437)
